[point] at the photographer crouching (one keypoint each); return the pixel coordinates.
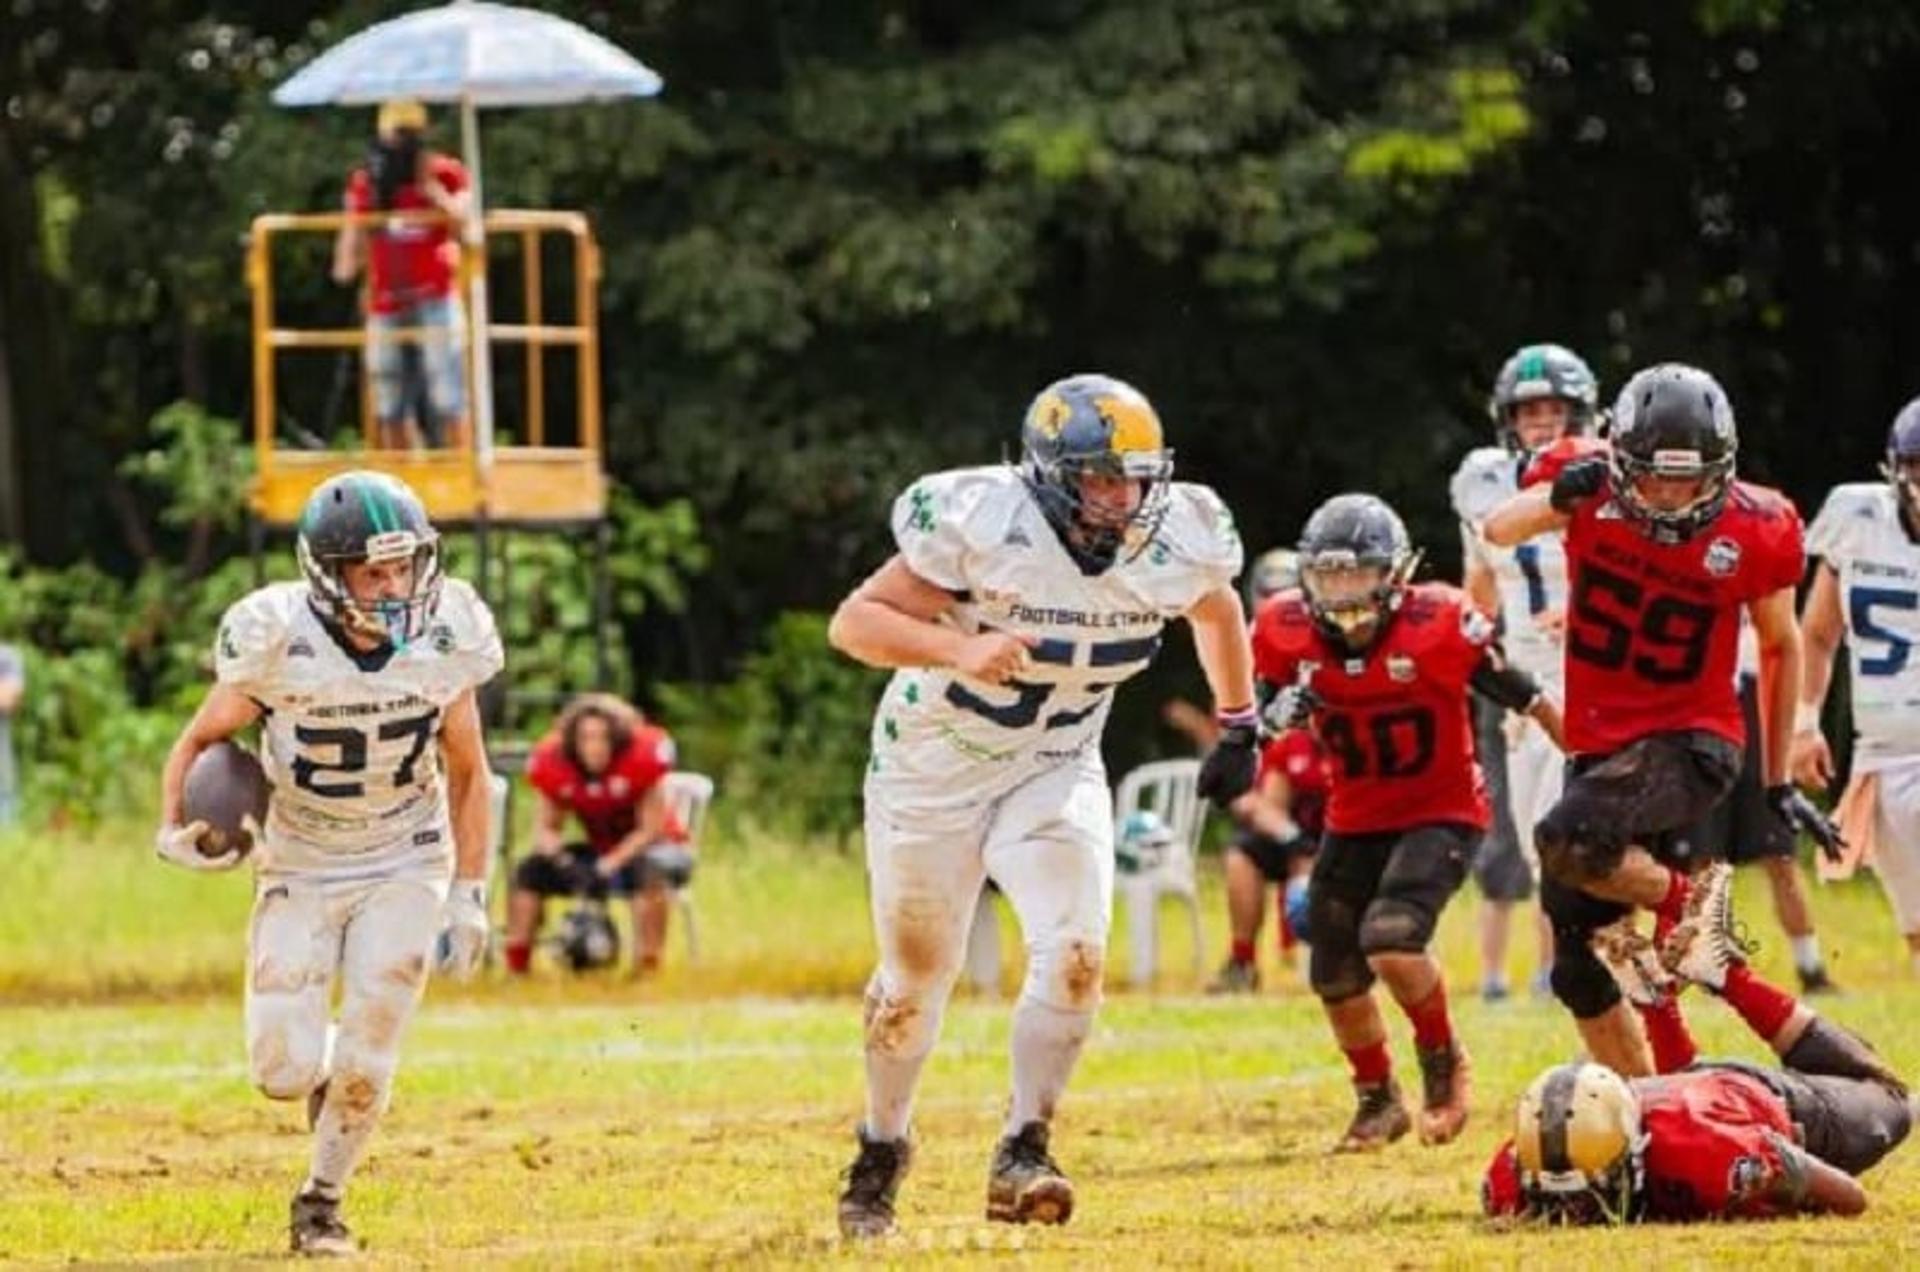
(412, 264)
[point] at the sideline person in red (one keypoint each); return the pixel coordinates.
(412, 269)
(603, 764)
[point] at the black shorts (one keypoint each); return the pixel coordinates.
(1741, 827)
(1850, 1123)
(1656, 793)
(1275, 858)
(571, 872)
(1421, 865)
(1500, 866)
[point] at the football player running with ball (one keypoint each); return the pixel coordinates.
(1381, 668)
(1543, 393)
(1866, 590)
(1019, 598)
(363, 679)
(1665, 549)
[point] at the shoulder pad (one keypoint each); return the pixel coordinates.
(253, 636)
(1200, 531)
(463, 628)
(1484, 480)
(942, 517)
(1764, 501)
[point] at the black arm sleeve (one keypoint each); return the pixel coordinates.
(1502, 685)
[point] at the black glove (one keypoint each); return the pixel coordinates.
(1802, 815)
(1290, 708)
(1228, 771)
(1578, 482)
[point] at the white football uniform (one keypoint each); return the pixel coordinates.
(970, 779)
(1860, 535)
(351, 744)
(357, 853)
(1532, 582)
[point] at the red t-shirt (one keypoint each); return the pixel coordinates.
(408, 262)
(608, 806)
(1395, 720)
(1296, 756)
(1713, 1149)
(1653, 629)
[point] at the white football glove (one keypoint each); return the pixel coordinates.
(464, 939)
(181, 846)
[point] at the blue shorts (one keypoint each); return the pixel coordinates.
(441, 361)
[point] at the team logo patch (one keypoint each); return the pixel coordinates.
(425, 838)
(1722, 558)
(442, 637)
(299, 647)
(1400, 668)
(1476, 627)
(1745, 1177)
(229, 648)
(1017, 538)
(617, 787)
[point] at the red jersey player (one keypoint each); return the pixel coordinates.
(1717, 1140)
(1664, 551)
(1381, 668)
(604, 764)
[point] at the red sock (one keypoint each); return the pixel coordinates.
(1371, 1062)
(519, 956)
(1667, 913)
(1431, 1028)
(1672, 1041)
(1241, 951)
(1764, 1007)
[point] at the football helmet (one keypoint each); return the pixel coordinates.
(1902, 466)
(1579, 1145)
(1543, 371)
(1095, 426)
(368, 516)
(1143, 844)
(1672, 423)
(1355, 560)
(1273, 571)
(588, 939)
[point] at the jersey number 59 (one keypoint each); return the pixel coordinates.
(1615, 624)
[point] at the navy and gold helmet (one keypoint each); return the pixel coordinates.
(1096, 426)
(1544, 371)
(369, 516)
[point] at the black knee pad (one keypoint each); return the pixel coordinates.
(1392, 926)
(1336, 967)
(1580, 980)
(1573, 851)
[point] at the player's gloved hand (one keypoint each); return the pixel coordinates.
(463, 941)
(1578, 482)
(1802, 814)
(1229, 769)
(181, 846)
(1290, 708)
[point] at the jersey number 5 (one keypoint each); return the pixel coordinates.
(349, 747)
(1609, 621)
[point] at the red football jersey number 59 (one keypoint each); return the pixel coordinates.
(1611, 610)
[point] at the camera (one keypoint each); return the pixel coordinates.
(393, 164)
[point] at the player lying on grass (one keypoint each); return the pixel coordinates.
(1019, 599)
(1706, 1140)
(362, 678)
(1381, 667)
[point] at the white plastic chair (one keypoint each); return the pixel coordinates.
(688, 795)
(1166, 788)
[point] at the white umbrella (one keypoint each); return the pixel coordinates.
(474, 54)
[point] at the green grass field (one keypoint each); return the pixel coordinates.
(703, 1117)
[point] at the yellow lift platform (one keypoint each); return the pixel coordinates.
(526, 485)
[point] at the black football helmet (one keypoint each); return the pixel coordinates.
(1095, 425)
(1544, 371)
(369, 516)
(1902, 466)
(1674, 422)
(1355, 560)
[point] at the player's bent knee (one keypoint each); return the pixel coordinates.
(286, 1062)
(362, 1085)
(1338, 974)
(1067, 975)
(899, 1024)
(1581, 983)
(1395, 927)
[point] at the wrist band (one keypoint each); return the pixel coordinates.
(1807, 718)
(1237, 716)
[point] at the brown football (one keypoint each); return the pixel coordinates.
(225, 785)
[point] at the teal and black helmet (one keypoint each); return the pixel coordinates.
(1544, 371)
(368, 516)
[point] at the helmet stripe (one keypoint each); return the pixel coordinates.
(371, 500)
(1556, 1110)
